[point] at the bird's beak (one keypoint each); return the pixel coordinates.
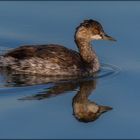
(105, 109)
(106, 37)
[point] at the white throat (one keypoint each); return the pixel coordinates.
(96, 37)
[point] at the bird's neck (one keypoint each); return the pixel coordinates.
(85, 90)
(87, 53)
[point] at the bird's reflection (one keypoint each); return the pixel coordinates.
(84, 109)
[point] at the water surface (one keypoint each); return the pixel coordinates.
(53, 116)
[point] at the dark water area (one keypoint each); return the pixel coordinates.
(40, 107)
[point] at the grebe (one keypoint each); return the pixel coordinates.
(53, 59)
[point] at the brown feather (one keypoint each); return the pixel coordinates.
(55, 54)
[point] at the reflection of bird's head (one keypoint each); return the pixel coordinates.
(89, 111)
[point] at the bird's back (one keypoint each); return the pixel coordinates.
(45, 59)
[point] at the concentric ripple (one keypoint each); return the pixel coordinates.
(108, 70)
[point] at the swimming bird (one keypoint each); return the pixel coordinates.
(57, 60)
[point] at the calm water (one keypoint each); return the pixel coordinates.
(53, 116)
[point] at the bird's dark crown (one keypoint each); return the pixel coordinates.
(91, 24)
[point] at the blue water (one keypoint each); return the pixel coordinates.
(117, 85)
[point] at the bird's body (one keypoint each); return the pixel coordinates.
(53, 59)
(45, 59)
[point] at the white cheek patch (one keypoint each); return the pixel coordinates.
(96, 37)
